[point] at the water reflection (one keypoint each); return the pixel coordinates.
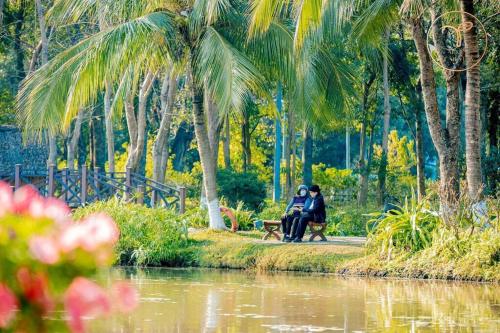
(230, 301)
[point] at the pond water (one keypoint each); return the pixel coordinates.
(193, 300)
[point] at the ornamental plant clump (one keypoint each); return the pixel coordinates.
(46, 260)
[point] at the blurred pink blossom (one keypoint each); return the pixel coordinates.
(5, 198)
(35, 288)
(23, 198)
(57, 210)
(8, 305)
(125, 296)
(84, 298)
(101, 229)
(44, 249)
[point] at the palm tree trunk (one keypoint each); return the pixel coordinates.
(472, 105)
(307, 156)
(108, 122)
(206, 159)
(449, 181)
(227, 143)
(160, 146)
(277, 147)
(387, 119)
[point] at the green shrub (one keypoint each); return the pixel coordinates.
(148, 236)
(237, 186)
(271, 210)
(347, 220)
(408, 229)
(244, 217)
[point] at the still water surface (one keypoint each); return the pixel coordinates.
(175, 300)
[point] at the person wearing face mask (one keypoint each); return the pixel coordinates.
(313, 211)
(292, 211)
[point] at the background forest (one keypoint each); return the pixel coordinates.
(253, 98)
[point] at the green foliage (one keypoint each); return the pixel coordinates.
(148, 236)
(408, 229)
(347, 220)
(246, 187)
(272, 210)
(401, 160)
(333, 180)
(244, 217)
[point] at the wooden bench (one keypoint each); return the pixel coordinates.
(317, 229)
(272, 227)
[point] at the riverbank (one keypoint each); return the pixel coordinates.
(245, 251)
(159, 237)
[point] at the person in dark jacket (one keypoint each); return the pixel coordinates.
(292, 211)
(313, 211)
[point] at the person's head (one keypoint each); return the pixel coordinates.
(314, 190)
(302, 191)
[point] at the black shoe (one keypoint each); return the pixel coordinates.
(297, 240)
(289, 239)
(285, 238)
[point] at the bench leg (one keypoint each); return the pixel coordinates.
(317, 232)
(271, 232)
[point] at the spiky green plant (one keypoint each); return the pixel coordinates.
(409, 228)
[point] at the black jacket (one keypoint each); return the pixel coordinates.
(318, 209)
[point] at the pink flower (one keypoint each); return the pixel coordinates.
(44, 249)
(23, 198)
(101, 229)
(84, 298)
(5, 198)
(56, 210)
(72, 236)
(8, 305)
(36, 289)
(125, 295)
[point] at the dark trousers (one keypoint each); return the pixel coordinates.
(288, 223)
(305, 218)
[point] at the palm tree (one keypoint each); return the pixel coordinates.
(146, 37)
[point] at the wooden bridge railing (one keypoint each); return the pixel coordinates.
(83, 186)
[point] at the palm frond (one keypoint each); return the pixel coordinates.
(52, 95)
(229, 74)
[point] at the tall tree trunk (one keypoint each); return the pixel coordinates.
(17, 45)
(419, 142)
(99, 144)
(160, 146)
(364, 170)
(290, 130)
(227, 142)
(206, 158)
(44, 59)
(108, 121)
(277, 146)
(446, 145)
(347, 147)
(180, 146)
(387, 119)
(307, 156)
(137, 126)
(2, 5)
(472, 105)
(74, 140)
(245, 141)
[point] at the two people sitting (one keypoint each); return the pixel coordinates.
(307, 206)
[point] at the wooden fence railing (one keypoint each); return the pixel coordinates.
(82, 186)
